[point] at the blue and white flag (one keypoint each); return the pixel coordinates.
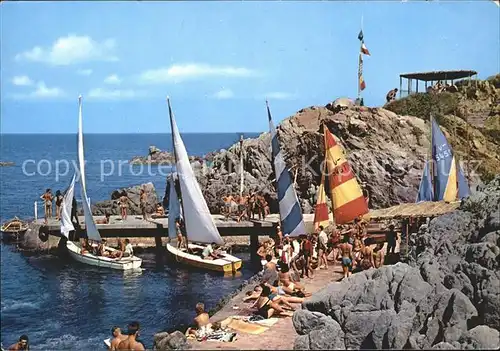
(292, 222)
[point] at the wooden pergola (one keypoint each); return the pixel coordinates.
(433, 77)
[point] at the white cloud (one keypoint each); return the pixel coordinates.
(180, 72)
(22, 81)
(70, 50)
(113, 94)
(84, 72)
(279, 95)
(42, 91)
(112, 79)
(224, 94)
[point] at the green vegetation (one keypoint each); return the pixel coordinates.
(423, 105)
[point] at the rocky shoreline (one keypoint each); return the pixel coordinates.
(6, 164)
(446, 297)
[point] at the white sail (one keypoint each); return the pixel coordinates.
(174, 208)
(67, 203)
(200, 226)
(90, 227)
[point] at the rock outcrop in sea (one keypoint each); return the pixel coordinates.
(113, 208)
(446, 297)
(6, 164)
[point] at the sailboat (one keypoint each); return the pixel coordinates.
(200, 226)
(292, 221)
(74, 248)
(348, 201)
(442, 177)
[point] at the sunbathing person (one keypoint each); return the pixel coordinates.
(278, 293)
(288, 285)
(210, 252)
(105, 220)
(201, 325)
(266, 308)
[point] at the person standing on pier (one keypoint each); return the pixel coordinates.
(391, 237)
(59, 200)
(47, 202)
(123, 205)
(347, 257)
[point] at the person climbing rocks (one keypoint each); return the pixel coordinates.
(391, 95)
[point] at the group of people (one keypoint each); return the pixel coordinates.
(123, 249)
(245, 206)
(128, 341)
(348, 244)
(48, 198)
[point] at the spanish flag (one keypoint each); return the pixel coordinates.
(347, 197)
(321, 209)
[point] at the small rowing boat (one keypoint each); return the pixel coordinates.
(13, 228)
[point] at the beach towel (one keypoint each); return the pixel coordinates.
(243, 326)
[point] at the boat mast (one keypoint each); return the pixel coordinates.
(171, 115)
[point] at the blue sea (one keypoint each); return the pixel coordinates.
(61, 304)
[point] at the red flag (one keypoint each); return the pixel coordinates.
(364, 49)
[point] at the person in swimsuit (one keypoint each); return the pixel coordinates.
(124, 205)
(288, 285)
(47, 201)
(201, 323)
(251, 207)
(266, 307)
(378, 256)
(307, 252)
(367, 256)
(278, 238)
(22, 344)
(322, 249)
(117, 338)
(131, 343)
(105, 220)
(74, 212)
(242, 206)
(59, 200)
(357, 248)
(346, 251)
(275, 296)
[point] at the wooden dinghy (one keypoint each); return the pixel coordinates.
(13, 228)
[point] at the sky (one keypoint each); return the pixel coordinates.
(219, 61)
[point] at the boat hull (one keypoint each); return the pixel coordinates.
(125, 263)
(226, 265)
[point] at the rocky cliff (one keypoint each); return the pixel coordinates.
(112, 207)
(387, 150)
(447, 297)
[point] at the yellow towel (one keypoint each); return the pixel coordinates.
(245, 327)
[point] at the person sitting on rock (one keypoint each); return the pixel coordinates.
(118, 337)
(201, 323)
(391, 95)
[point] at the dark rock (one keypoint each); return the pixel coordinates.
(173, 341)
(113, 208)
(447, 298)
